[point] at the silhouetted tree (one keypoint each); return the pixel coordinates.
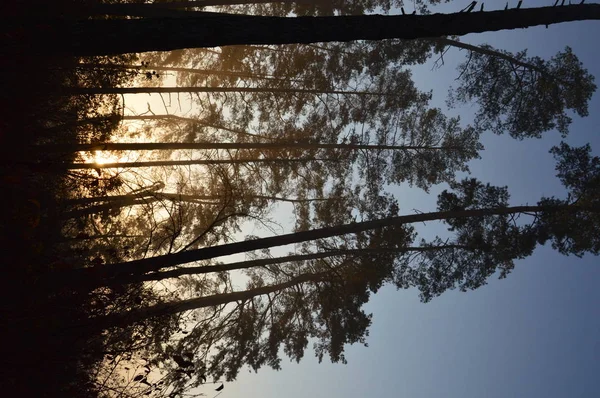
(118, 36)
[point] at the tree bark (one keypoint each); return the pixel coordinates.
(100, 275)
(118, 36)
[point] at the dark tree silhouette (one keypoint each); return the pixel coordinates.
(119, 36)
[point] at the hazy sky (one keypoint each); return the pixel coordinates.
(534, 334)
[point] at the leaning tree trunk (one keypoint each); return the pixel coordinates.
(206, 269)
(123, 319)
(98, 276)
(497, 54)
(120, 36)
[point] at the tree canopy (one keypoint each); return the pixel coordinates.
(300, 109)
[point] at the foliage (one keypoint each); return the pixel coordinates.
(524, 99)
(574, 233)
(86, 220)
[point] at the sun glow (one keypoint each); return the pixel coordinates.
(103, 157)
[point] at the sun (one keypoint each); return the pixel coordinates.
(103, 157)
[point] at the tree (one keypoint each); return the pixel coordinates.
(475, 208)
(144, 90)
(82, 166)
(322, 299)
(118, 36)
(524, 96)
(157, 263)
(162, 146)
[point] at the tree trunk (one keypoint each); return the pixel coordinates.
(170, 308)
(172, 146)
(174, 90)
(215, 72)
(156, 276)
(181, 198)
(495, 54)
(49, 166)
(119, 36)
(100, 275)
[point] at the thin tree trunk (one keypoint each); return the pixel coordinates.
(118, 36)
(156, 276)
(187, 70)
(49, 166)
(174, 90)
(130, 317)
(496, 54)
(180, 197)
(102, 274)
(172, 146)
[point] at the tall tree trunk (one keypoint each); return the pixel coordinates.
(118, 36)
(196, 71)
(172, 146)
(122, 319)
(156, 276)
(179, 197)
(100, 275)
(174, 90)
(49, 166)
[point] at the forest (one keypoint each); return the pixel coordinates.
(195, 189)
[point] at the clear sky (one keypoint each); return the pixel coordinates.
(534, 334)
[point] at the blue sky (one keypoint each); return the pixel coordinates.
(534, 334)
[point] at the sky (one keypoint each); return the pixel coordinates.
(533, 334)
